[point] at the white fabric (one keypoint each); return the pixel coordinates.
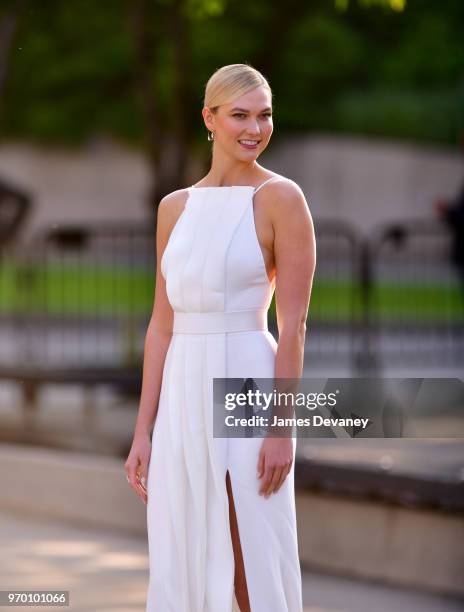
(219, 322)
(217, 285)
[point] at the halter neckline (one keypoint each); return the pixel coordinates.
(255, 188)
(220, 186)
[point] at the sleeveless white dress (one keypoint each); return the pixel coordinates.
(217, 285)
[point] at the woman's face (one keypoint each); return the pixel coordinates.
(243, 127)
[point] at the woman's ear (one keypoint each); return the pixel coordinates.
(208, 118)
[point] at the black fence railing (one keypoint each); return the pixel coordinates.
(335, 314)
(78, 297)
(415, 304)
(75, 303)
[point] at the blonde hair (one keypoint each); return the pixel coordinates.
(230, 82)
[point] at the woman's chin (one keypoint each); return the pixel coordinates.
(251, 154)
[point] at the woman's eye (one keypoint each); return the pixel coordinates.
(243, 115)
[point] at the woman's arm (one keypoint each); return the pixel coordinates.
(157, 341)
(295, 262)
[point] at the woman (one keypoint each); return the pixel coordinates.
(221, 511)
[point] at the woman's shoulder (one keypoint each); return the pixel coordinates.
(278, 183)
(288, 209)
(174, 196)
(171, 205)
(282, 191)
(173, 199)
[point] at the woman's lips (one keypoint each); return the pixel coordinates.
(248, 146)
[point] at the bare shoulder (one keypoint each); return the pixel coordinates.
(285, 189)
(171, 206)
(172, 200)
(286, 199)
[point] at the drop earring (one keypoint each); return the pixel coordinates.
(210, 135)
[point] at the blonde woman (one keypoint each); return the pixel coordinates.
(221, 511)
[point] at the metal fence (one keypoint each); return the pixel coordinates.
(335, 316)
(77, 297)
(415, 306)
(76, 301)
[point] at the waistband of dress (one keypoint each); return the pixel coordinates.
(219, 322)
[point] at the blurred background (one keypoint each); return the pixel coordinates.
(100, 117)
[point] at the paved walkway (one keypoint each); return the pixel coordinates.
(108, 572)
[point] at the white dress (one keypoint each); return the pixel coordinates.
(217, 285)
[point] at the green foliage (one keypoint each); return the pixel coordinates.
(81, 290)
(202, 9)
(71, 74)
(395, 5)
(368, 67)
(427, 116)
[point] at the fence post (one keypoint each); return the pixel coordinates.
(366, 358)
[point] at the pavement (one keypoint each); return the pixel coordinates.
(107, 571)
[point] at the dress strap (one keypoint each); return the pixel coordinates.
(266, 181)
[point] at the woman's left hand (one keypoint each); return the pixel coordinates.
(274, 463)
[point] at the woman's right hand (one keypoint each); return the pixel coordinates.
(136, 465)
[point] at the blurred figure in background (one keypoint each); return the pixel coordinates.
(452, 213)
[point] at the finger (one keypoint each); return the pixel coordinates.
(131, 471)
(142, 475)
(282, 475)
(285, 473)
(275, 479)
(133, 479)
(141, 492)
(260, 467)
(285, 470)
(142, 482)
(144, 496)
(269, 471)
(138, 490)
(266, 479)
(272, 482)
(144, 479)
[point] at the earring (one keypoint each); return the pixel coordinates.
(210, 135)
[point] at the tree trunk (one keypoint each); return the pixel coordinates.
(8, 26)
